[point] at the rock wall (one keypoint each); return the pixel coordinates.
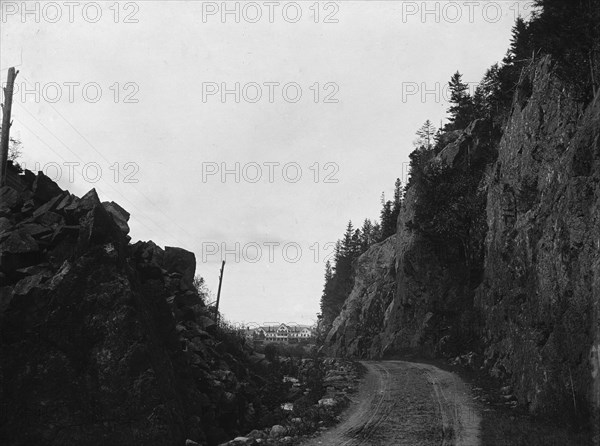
(104, 342)
(410, 294)
(540, 298)
(406, 296)
(356, 332)
(536, 307)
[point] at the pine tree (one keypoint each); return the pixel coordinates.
(397, 194)
(388, 224)
(344, 264)
(337, 253)
(367, 235)
(347, 240)
(461, 110)
(376, 232)
(418, 160)
(397, 204)
(356, 244)
(520, 45)
(328, 272)
(425, 135)
(339, 276)
(326, 297)
(458, 89)
(487, 93)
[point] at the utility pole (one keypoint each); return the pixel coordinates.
(6, 123)
(219, 293)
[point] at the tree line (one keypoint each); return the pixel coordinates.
(339, 272)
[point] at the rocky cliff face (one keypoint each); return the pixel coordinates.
(425, 299)
(540, 298)
(405, 297)
(103, 342)
(536, 306)
(357, 330)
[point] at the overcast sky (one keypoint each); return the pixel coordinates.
(320, 123)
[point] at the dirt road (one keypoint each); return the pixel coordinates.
(403, 403)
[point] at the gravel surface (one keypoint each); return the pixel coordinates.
(404, 403)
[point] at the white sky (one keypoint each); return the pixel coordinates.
(378, 59)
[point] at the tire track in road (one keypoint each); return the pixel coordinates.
(381, 412)
(384, 416)
(358, 432)
(460, 419)
(402, 403)
(447, 425)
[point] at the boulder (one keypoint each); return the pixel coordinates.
(28, 207)
(97, 227)
(327, 402)
(66, 200)
(59, 277)
(69, 206)
(278, 431)
(44, 188)
(36, 230)
(256, 434)
(49, 206)
(42, 269)
(26, 285)
(5, 224)
(63, 231)
(50, 219)
(206, 323)
(16, 249)
(242, 441)
(149, 259)
(119, 215)
(333, 379)
(179, 260)
(85, 204)
(9, 198)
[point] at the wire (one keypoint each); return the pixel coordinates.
(158, 208)
(80, 173)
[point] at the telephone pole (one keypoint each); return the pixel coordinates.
(6, 123)
(219, 293)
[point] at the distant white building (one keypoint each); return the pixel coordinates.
(290, 333)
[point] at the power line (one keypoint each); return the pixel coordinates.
(99, 153)
(80, 173)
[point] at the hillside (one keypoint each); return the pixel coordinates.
(107, 342)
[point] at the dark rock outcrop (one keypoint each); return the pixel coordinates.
(103, 342)
(540, 298)
(535, 307)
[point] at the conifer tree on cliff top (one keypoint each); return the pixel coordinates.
(461, 110)
(426, 135)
